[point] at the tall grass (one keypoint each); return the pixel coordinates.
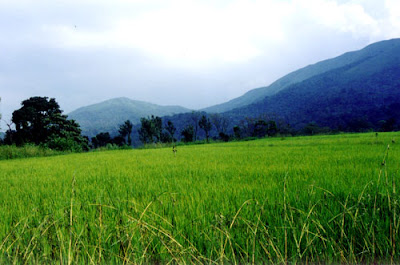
(326, 199)
(13, 152)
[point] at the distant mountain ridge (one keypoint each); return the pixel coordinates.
(359, 89)
(365, 89)
(108, 115)
(302, 74)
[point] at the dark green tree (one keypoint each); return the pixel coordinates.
(206, 125)
(188, 133)
(125, 130)
(40, 121)
(156, 123)
(260, 128)
(237, 132)
(33, 119)
(272, 129)
(145, 131)
(101, 139)
(171, 129)
(150, 130)
(195, 117)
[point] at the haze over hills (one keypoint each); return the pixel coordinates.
(357, 87)
(108, 115)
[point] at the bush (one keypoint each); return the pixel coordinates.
(29, 150)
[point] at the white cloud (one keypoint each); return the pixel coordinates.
(347, 17)
(201, 32)
(142, 48)
(393, 23)
(190, 31)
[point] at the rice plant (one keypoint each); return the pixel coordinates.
(321, 199)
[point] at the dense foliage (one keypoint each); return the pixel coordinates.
(343, 99)
(40, 121)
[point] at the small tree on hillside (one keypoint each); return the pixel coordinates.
(101, 139)
(237, 132)
(195, 116)
(125, 130)
(220, 122)
(150, 130)
(145, 131)
(156, 123)
(188, 134)
(272, 128)
(206, 125)
(171, 129)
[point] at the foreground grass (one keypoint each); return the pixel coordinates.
(304, 199)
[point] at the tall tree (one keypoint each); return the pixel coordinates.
(195, 116)
(156, 128)
(171, 129)
(220, 122)
(40, 121)
(145, 131)
(206, 125)
(33, 118)
(125, 130)
(150, 130)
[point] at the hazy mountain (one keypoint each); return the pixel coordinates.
(364, 91)
(108, 115)
(375, 50)
(358, 90)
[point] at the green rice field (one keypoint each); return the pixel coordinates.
(319, 199)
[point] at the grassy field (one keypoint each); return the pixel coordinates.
(280, 200)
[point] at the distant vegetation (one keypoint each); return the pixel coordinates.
(355, 92)
(40, 122)
(107, 116)
(321, 199)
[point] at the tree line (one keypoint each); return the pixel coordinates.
(40, 121)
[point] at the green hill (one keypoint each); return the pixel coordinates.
(108, 115)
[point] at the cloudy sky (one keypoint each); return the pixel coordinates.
(194, 53)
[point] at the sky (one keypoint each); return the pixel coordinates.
(193, 53)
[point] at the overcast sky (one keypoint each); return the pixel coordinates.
(193, 53)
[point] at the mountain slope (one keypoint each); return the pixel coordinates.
(300, 75)
(108, 115)
(365, 91)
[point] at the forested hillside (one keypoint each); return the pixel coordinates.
(383, 48)
(361, 95)
(108, 115)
